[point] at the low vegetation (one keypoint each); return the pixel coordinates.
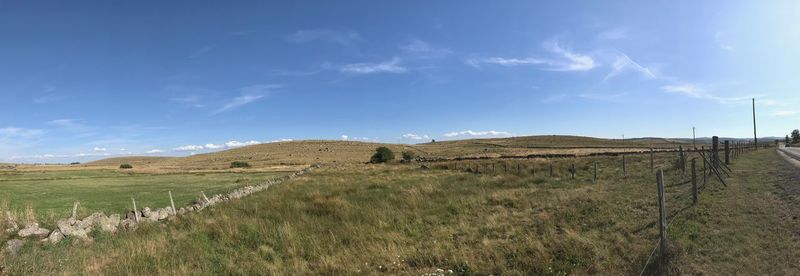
(403, 219)
(239, 164)
(382, 155)
(126, 166)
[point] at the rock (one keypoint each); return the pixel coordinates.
(32, 229)
(12, 246)
(146, 212)
(55, 237)
(164, 213)
(11, 220)
(67, 226)
(108, 224)
(128, 224)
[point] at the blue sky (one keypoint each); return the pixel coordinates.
(82, 80)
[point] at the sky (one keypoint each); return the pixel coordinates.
(84, 80)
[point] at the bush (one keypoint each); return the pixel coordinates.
(126, 166)
(239, 164)
(75, 163)
(409, 156)
(382, 155)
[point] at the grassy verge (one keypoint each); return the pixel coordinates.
(407, 220)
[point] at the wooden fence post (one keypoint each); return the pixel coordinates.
(715, 152)
(573, 170)
(172, 202)
(624, 172)
(652, 165)
(551, 169)
(727, 153)
(594, 178)
(75, 209)
(662, 221)
(135, 212)
(683, 159)
(694, 182)
(204, 196)
(702, 150)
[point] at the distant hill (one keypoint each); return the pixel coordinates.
(325, 151)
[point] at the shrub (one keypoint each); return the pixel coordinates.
(382, 155)
(75, 163)
(126, 166)
(239, 164)
(409, 156)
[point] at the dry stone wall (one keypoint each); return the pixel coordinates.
(82, 228)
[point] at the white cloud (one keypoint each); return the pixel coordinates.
(696, 91)
(785, 113)
(571, 61)
(565, 60)
(421, 49)
(476, 134)
(390, 66)
(476, 62)
(239, 101)
(719, 38)
(188, 148)
(624, 63)
(15, 132)
(154, 151)
(99, 149)
(613, 34)
(213, 146)
(342, 37)
(237, 144)
(279, 140)
(344, 137)
(412, 136)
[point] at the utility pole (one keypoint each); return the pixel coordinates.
(755, 136)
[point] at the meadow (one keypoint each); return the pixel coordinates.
(46, 196)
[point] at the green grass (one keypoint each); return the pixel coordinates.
(51, 194)
(400, 219)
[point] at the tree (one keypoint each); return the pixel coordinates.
(409, 156)
(786, 140)
(239, 164)
(382, 155)
(795, 136)
(125, 166)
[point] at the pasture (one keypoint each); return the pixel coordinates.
(49, 194)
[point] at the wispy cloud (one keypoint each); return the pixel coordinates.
(613, 34)
(719, 38)
(476, 62)
(99, 149)
(391, 66)
(785, 113)
(571, 61)
(152, 151)
(342, 37)
(421, 49)
(248, 95)
(623, 64)
(554, 98)
(16, 132)
(564, 59)
(476, 134)
(696, 91)
(601, 96)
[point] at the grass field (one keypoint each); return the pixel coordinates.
(369, 219)
(50, 194)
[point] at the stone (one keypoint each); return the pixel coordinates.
(55, 237)
(164, 213)
(67, 226)
(108, 224)
(128, 224)
(146, 212)
(32, 229)
(12, 246)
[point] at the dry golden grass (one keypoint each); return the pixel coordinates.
(300, 153)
